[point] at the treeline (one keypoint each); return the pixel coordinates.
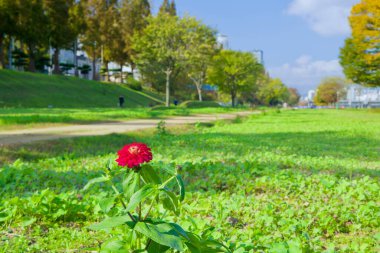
(170, 52)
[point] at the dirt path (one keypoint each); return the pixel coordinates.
(51, 133)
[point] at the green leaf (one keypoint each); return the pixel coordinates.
(94, 181)
(169, 201)
(157, 248)
(130, 183)
(141, 195)
(112, 222)
(162, 233)
(149, 175)
(181, 187)
(112, 245)
(106, 204)
(27, 222)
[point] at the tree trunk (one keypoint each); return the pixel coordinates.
(2, 59)
(121, 73)
(107, 74)
(94, 68)
(199, 89)
(32, 59)
(56, 69)
(233, 97)
(168, 72)
(76, 72)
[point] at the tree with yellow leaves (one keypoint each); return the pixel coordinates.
(360, 56)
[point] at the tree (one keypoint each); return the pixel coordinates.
(172, 8)
(234, 71)
(160, 48)
(99, 18)
(201, 47)
(273, 92)
(294, 96)
(329, 91)
(60, 32)
(4, 25)
(360, 56)
(164, 8)
(31, 28)
(134, 14)
(78, 26)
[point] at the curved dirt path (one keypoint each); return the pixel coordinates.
(52, 133)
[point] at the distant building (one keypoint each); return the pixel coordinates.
(66, 57)
(361, 97)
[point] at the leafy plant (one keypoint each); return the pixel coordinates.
(129, 211)
(161, 128)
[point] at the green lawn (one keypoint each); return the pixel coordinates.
(295, 181)
(30, 90)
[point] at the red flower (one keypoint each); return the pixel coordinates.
(134, 154)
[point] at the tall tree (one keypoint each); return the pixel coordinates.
(60, 32)
(31, 28)
(201, 47)
(330, 90)
(233, 72)
(360, 56)
(134, 14)
(90, 39)
(161, 47)
(77, 26)
(100, 19)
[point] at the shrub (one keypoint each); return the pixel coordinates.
(199, 104)
(134, 84)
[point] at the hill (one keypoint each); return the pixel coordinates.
(24, 89)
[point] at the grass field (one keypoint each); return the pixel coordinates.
(22, 89)
(295, 181)
(18, 118)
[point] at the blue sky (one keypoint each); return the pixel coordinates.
(300, 38)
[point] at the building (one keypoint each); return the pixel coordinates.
(361, 97)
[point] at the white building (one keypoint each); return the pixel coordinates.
(67, 57)
(359, 97)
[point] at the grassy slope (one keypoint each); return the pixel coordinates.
(22, 89)
(293, 180)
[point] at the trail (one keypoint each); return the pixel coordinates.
(52, 133)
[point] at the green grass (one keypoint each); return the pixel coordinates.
(295, 181)
(17, 118)
(22, 89)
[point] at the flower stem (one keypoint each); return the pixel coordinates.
(122, 202)
(139, 185)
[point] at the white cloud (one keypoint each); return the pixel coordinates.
(326, 17)
(305, 73)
